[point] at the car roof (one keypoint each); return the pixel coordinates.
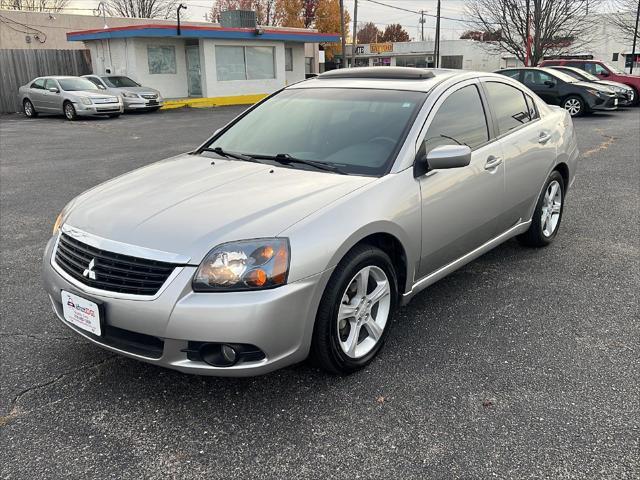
(387, 78)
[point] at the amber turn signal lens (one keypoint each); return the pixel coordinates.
(257, 278)
(280, 264)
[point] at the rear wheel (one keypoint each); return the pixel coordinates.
(355, 312)
(29, 109)
(69, 111)
(547, 215)
(574, 105)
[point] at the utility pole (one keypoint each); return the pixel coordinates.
(437, 42)
(355, 34)
(421, 23)
(527, 45)
(182, 6)
(635, 38)
(343, 64)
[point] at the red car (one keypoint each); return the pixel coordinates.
(599, 69)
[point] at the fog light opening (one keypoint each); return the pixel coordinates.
(218, 355)
(229, 354)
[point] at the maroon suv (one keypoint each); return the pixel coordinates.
(600, 69)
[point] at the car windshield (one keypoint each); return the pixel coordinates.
(581, 75)
(612, 68)
(560, 75)
(119, 82)
(356, 130)
(75, 84)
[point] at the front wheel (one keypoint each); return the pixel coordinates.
(547, 215)
(70, 111)
(574, 105)
(355, 311)
(29, 109)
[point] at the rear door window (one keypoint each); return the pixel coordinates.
(460, 119)
(531, 105)
(38, 84)
(509, 106)
(515, 74)
(536, 78)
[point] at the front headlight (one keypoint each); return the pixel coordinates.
(244, 265)
(129, 95)
(62, 216)
(85, 100)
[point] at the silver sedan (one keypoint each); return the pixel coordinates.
(72, 96)
(301, 226)
(134, 96)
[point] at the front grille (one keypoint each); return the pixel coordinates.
(113, 272)
(105, 100)
(149, 96)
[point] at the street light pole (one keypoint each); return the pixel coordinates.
(635, 38)
(355, 33)
(437, 42)
(180, 7)
(343, 64)
(422, 24)
(527, 46)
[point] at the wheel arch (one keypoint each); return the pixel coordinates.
(389, 238)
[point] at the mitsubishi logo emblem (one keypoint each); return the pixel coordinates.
(89, 273)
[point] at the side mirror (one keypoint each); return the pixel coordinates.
(604, 74)
(549, 83)
(53, 89)
(449, 156)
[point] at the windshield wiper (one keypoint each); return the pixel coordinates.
(285, 158)
(225, 153)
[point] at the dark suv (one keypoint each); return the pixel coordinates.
(601, 70)
(558, 88)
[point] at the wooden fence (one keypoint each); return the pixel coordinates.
(18, 67)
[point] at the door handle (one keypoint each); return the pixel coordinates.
(492, 162)
(544, 137)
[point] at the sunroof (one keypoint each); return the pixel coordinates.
(397, 73)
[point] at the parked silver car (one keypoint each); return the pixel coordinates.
(302, 225)
(134, 95)
(73, 96)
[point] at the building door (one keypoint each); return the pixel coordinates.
(193, 70)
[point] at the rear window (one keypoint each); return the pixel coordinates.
(509, 105)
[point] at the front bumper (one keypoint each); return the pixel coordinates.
(606, 103)
(279, 321)
(131, 104)
(83, 110)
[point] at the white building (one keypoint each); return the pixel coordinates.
(205, 61)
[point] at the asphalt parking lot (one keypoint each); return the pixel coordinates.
(524, 364)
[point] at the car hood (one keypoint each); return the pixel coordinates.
(610, 83)
(136, 89)
(188, 204)
(90, 93)
(594, 86)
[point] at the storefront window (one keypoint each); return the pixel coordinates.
(162, 59)
(381, 61)
(244, 63)
(413, 61)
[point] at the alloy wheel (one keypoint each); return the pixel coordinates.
(572, 106)
(28, 109)
(364, 311)
(68, 111)
(551, 209)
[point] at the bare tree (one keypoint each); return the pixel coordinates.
(35, 5)
(142, 8)
(556, 26)
(623, 17)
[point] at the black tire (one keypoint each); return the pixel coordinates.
(28, 108)
(535, 236)
(636, 98)
(69, 111)
(114, 115)
(574, 100)
(325, 348)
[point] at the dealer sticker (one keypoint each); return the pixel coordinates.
(81, 312)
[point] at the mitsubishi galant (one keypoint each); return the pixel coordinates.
(300, 227)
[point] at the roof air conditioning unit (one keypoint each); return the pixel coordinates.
(238, 19)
